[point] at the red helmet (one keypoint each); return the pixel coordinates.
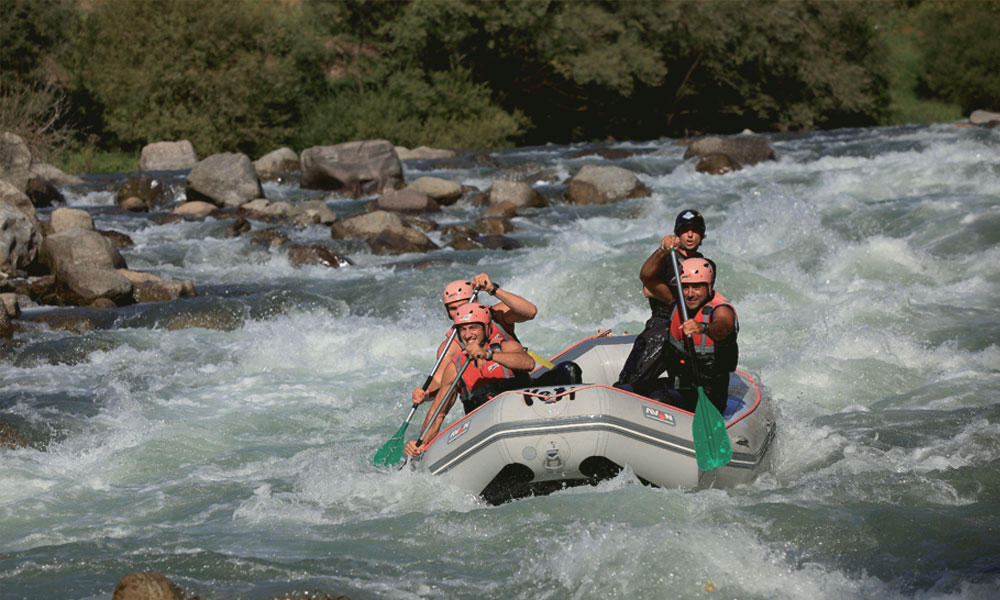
(458, 290)
(473, 312)
(697, 270)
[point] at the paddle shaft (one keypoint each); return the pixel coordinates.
(430, 377)
(444, 399)
(688, 342)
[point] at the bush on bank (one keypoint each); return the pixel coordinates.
(254, 75)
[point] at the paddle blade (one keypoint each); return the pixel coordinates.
(711, 440)
(391, 452)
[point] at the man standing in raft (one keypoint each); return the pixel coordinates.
(511, 309)
(498, 363)
(713, 328)
(646, 361)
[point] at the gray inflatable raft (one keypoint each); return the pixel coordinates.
(537, 440)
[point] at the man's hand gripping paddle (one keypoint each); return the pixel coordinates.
(708, 430)
(391, 452)
(444, 400)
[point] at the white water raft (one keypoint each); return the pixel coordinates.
(537, 440)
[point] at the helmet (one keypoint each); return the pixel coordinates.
(473, 312)
(690, 218)
(458, 290)
(697, 270)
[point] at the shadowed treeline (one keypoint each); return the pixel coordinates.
(252, 75)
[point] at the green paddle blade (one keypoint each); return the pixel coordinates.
(391, 452)
(711, 440)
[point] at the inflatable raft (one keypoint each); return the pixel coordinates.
(537, 440)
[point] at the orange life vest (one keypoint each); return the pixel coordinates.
(714, 358)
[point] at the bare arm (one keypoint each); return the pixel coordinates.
(511, 355)
(722, 325)
(649, 274)
(512, 308)
(430, 428)
(419, 396)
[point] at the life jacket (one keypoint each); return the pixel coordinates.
(715, 359)
(488, 371)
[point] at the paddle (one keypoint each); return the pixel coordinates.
(444, 399)
(391, 452)
(708, 430)
(538, 359)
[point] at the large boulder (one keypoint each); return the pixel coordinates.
(407, 200)
(6, 329)
(227, 179)
(17, 165)
(11, 438)
(149, 191)
(493, 225)
(9, 194)
(422, 153)
(54, 174)
(80, 247)
(741, 150)
(400, 240)
(716, 164)
(315, 254)
(367, 225)
(353, 169)
(42, 193)
(20, 239)
(443, 191)
(162, 291)
(15, 160)
(602, 185)
(983, 117)
(64, 219)
(168, 156)
(520, 194)
(85, 286)
(317, 211)
(195, 208)
(146, 586)
(282, 160)
(11, 304)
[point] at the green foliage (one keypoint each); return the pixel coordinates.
(252, 75)
(33, 35)
(32, 104)
(904, 73)
(648, 68)
(774, 64)
(960, 45)
(223, 74)
(88, 159)
(444, 109)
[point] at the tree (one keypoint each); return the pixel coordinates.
(647, 68)
(224, 74)
(33, 104)
(960, 43)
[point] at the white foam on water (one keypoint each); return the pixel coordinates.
(257, 443)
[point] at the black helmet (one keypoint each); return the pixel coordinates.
(688, 218)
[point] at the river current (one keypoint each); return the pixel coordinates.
(237, 459)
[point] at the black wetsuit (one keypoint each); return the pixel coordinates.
(646, 361)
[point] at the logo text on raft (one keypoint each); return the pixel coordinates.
(550, 395)
(454, 434)
(658, 415)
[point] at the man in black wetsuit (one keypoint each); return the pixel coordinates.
(647, 361)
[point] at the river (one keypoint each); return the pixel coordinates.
(237, 459)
